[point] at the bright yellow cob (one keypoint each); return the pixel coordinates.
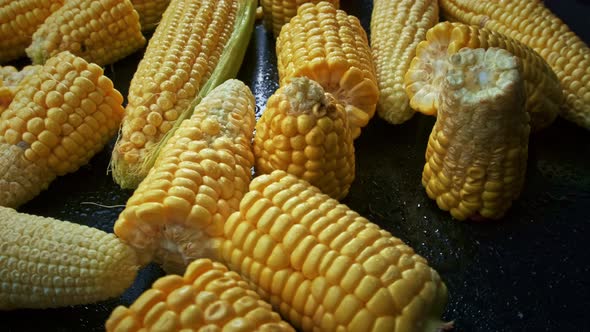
(10, 79)
(48, 263)
(278, 12)
(196, 183)
(197, 46)
(101, 32)
(533, 24)
(396, 29)
(326, 268)
(60, 117)
(150, 12)
(304, 131)
(331, 48)
(18, 21)
(207, 298)
(428, 69)
(477, 152)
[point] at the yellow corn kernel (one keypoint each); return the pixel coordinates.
(197, 46)
(323, 266)
(278, 12)
(428, 69)
(304, 131)
(10, 80)
(207, 298)
(48, 263)
(534, 25)
(480, 138)
(198, 180)
(150, 12)
(61, 116)
(101, 32)
(331, 48)
(396, 29)
(18, 21)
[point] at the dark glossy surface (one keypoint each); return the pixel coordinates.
(528, 272)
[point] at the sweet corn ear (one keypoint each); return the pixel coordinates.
(278, 12)
(10, 81)
(150, 12)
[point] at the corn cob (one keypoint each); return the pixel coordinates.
(64, 114)
(197, 46)
(531, 23)
(278, 12)
(323, 266)
(331, 48)
(10, 79)
(396, 29)
(207, 298)
(150, 12)
(304, 132)
(48, 263)
(428, 69)
(18, 21)
(477, 152)
(197, 182)
(101, 32)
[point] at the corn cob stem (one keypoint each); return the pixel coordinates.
(279, 12)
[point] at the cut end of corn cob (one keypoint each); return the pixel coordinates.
(200, 176)
(101, 32)
(48, 263)
(304, 131)
(331, 48)
(477, 152)
(207, 298)
(150, 12)
(279, 12)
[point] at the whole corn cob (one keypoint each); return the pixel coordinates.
(207, 298)
(326, 268)
(331, 48)
(101, 32)
(429, 67)
(150, 12)
(396, 29)
(477, 152)
(60, 117)
(196, 183)
(278, 12)
(304, 131)
(48, 263)
(197, 46)
(18, 21)
(533, 24)
(10, 79)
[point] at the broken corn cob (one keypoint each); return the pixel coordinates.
(477, 152)
(278, 12)
(48, 263)
(197, 46)
(150, 12)
(396, 29)
(428, 69)
(533, 24)
(305, 132)
(10, 79)
(64, 114)
(101, 32)
(196, 183)
(326, 268)
(18, 21)
(331, 48)
(207, 298)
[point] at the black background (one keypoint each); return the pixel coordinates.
(527, 272)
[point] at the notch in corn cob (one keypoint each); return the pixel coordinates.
(49, 263)
(304, 131)
(61, 116)
(326, 268)
(150, 12)
(196, 183)
(278, 12)
(207, 298)
(429, 67)
(396, 29)
(10, 80)
(534, 25)
(101, 32)
(331, 48)
(18, 21)
(477, 151)
(197, 46)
